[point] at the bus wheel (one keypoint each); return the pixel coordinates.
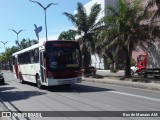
(38, 82)
(21, 79)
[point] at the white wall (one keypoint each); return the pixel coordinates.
(96, 61)
(103, 3)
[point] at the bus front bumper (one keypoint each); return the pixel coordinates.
(52, 82)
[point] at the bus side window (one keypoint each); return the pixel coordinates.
(19, 58)
(36, 55)
(26, 58)
(32, 56)
(22, 58)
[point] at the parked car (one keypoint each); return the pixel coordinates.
(92, 69)
(2, 82)
(133, 69)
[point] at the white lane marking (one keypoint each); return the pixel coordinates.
(107, 105)
(130, 87)
(136, 88)
(69, 97)
(133, 95)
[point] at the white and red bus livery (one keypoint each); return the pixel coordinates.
(49, 63)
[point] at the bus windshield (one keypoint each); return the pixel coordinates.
(63, 59)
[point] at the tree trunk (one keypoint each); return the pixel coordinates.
(87, 61)
(127, 64)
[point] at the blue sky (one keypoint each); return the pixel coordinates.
(23, 14)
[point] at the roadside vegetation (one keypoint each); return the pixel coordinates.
(5, 57)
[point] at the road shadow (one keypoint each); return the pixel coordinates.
(77, 88)
(3, 84)
(29, 83)
(9, 95)
(94, 76)
(74, 88)
(6, 88)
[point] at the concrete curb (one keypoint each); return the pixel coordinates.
(151, 86)
(109, 70)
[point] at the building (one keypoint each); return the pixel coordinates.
(103, 3)
(96, 61)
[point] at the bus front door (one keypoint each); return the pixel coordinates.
(42, 66)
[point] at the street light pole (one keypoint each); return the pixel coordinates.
(46, 24)
(16, 32)
(4, 43)
(44, 8)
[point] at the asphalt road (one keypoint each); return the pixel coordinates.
(86, 96)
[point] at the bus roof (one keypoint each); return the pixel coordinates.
(39, 45)
(28, 49)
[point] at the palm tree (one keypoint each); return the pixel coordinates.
(68, 35)
(122, 33)
(30, 42)
(63, 36)
(86, 25)
(17, 43)
(155, 15)
(24, 43)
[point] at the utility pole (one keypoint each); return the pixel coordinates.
(44, 8)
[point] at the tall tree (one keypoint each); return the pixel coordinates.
(154, 19)
(68, 35)
(24, 43)
(86, 25)
(122, 32)
(6, 57)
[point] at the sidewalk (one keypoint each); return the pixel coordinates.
(127, 82)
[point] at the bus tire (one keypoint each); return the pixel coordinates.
(21, 78)
(38, 82)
